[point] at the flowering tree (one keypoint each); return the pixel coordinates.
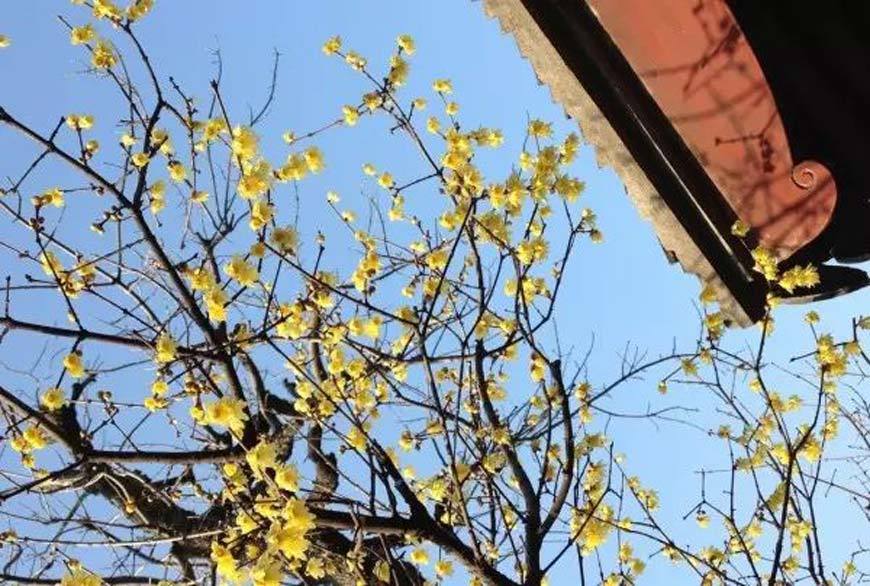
(424, 421)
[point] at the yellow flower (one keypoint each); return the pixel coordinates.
(442, 86)
(261, 213)
(315, 568)
(242, 271)
(159, 387)
(314, 159)
(215, 301)
(103, 56)
(540, 129)
(373, 101)
(287, 477)
(52, 197)
(53, 399)
(332, 45)
(155, 403)
(267, 572)
(80, 577)
(4, 41)
(226, 412)
(386, 180)
(351, 115)
(74, 365)
(356, 438)
(82, 34)
(80, 121)
(406, 44)
(740, 228)
(165, 349)
(256, 179)
(443, 568)
(140, 159)
(261, 457)
(382, 571)
(285, 239)
(245, 143)
(199, 196)
(201, 279)
(355, 60)
(177, 172)
(36, 438)
(420, 556)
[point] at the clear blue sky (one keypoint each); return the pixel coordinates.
(622, 292)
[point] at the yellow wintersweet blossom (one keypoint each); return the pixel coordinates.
(261, 457)
(355, 60)
(164, 349)
(399, 71)
(591, 529)
(315, 568)
(5, 41)
(740, 228)
(226, 412)
(82, 34)
(245, 143)
(262, 213)
(79, 121)
(35, 438)
(177, 172)
(537, 368)
(386, 180)
(154, 404)
(74, 365)
(420, 556)
(314, 159)
(406, 44)
(80, 577)
(442, 86)
(443, 568)
(382, 571)
(50, 264)
(332, 45)
(201, 279)
(256, 179)
(53, 399)
(215, 301)
(157, 193)
(267, 572)
(292, 322)
(373, 101)
(285, 239)
(242, 271)
(226, 564)
(799, 277)
(540, 129)
(437, 259)
(103, 55)
(350, 115)
(159, 387)
(53, 197)
(140, 159)
(287, 477)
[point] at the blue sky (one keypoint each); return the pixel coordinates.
(620, 293)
